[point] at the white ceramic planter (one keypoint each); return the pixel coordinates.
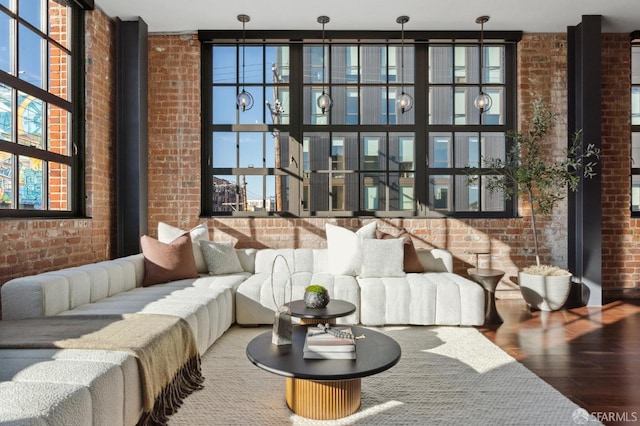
(546, 293)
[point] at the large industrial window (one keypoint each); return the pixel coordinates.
(40, 53)
(363, 156)
(635, 124)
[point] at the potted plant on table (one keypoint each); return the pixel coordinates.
(528, 172)
(316, 296)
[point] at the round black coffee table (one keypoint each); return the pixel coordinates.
(324, 389)
(335, 309)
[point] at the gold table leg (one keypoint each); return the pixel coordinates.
(323, 400)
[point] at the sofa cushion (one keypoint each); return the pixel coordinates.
(167, 262)
(168, 233)
(382, 258)
(345, 251)
(411, 260)
(221, 258)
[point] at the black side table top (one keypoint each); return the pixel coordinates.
(336, 308)
(375, 353)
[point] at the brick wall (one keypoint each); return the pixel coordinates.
(38, 245)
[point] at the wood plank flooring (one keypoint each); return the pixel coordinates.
(591, 355)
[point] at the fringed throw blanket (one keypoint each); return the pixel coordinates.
(163, 346)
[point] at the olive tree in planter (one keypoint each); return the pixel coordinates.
(529, 172)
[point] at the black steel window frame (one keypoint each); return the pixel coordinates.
(421, 40)
(75, 105)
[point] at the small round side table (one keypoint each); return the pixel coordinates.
(335, 309)
(488, 279)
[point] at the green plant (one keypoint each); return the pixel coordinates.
(315, 288)
(529, 172)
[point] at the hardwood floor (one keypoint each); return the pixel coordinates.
(591, 355)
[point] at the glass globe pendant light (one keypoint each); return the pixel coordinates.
(483, 101)
(324, 101)
(244, 100)
(404, 101)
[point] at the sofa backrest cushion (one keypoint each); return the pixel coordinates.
(297, 260)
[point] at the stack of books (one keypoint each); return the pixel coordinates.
(321, 345)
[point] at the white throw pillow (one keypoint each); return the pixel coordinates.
(344, 247)
(382, 258)
(168, 233)
(221, 257)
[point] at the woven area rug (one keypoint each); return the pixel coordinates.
(447, 375)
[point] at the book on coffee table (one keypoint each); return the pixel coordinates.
(321, 345)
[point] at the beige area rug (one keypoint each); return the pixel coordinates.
(446, 376)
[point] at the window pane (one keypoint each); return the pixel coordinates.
(373, 152)
(31, 184)
(346, 105)
(30, 64)
(59, 23)
(59, 66)
(313, 69)
(6, 113)
(6, 180)
(224, 101)
(277, 69)
(372, 191)
(225, 194)
(344, 64)
(635, 64)
(312, 113)
(439, 192)
(254, 188)
(401, 152)
(277, 151)
(635, 105)
(492, 145)
(337, 153)
(466, 63)
(59, 186)
(251, 151)
(635, 150)
(465, 110)
(256, 114)
(337, 192)
(224, 64)
(5, 43)
(376, 105)
(30, 121)
(440, 105)
(635, 193)
(319, 150)
(254, 65)
(440, 150)
(396, 116)
(374, 64)
(494, 115)
(277, 101)
(224, 149)
(491, 202)
(467, 150)
(493, 64)
(59, 122)
(440, 64)
(31, 11)
(401, 192)
(467, 195)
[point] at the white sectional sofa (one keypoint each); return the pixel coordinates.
(82, 387)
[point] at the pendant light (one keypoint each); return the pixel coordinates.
(244, 99)
(324, 101)
(405, 101)
(483, 101)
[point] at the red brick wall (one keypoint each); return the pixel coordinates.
(621, 234)
(39, 245)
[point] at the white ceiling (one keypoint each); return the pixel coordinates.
(532, 16)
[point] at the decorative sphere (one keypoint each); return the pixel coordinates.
(316, 299)
(405, 102)
(324, 102)
(483, 102)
